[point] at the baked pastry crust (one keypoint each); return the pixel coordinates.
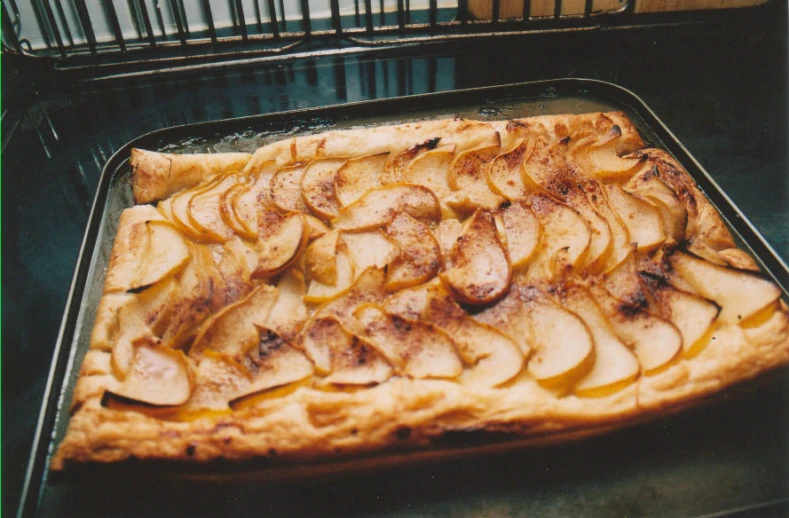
(308, 418)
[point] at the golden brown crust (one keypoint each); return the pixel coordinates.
(313, 421)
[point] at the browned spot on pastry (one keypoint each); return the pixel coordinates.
(403, 433)
(427, 145)
(191, 448)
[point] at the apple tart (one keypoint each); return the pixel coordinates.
(359, 291)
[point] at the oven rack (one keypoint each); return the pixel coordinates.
(124, 35)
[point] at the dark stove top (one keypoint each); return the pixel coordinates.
(721, 90)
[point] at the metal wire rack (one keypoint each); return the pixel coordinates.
(73, 34)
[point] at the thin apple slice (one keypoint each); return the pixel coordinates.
(131, 329)
(480, 271)
(271, 362)
(419, 257)
(416, 349)
(217, 379)
(203, 210)
(492, 358)
(164, 207)
(397, 162)
(232, 330)
(648, 186)
(524, 232)
(319, 292)
(288, 314)
(602, 161)
(317, 186)
(286, 189)
(410, 303)
(504, 176)
(620, 237)
(693, 316)
(158, 376)
(247, 204)
(642, 219)
(447, 233)
(317, 227)
(180, 210)
(601, 244)
(342, 357)
(166, 254)
(509, 317)
(132, 243)
(379, 206)
(357, 176)
(367, 288)
(431, 169)
(739, 259)
(370, 249)
(245, 255)
(320, 259)
(615, 367)
(563, 228)
(281, 238)
(655, 341)
(739, 293)
(227, 210)
(563, 344)
(467, 177)
(546, 170)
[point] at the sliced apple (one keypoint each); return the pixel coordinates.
(367, 288)
(738, 258)
(288, 314)
(739, 293)
(693, 316)
(523, 231)
(164, 207)
(247, 204)
(648, 186)
(341, 356)
(217, 380)
(615, 367)
(409, 303)
(204, 213)
(158, 376)
(447, 233)
(232, 330)
(480, 271)
(620, 237)
(642, 219)
(602, 161)
(563, 344)
(503, 176)
(180, 210)
(467, 177)
(131, 329)
(370, 249)
(397, 162)
(320, 262)
(601, 243)
(129, 250)
(271, 362)
(378, 207)
(546, 170)
(319, 292)
(286, 189)
(419, 257)
(563, 228)
(166, 254)
(317, 186)
(416, 349)
(317, 227)
(492, 358)
(431, 169)
(357, 176)
(281, 238)
(509, 317)
(245, 253)
(655, 341)
(227, 210)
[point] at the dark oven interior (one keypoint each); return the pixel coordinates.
(71, 99)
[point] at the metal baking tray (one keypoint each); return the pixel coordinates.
(726, 456)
